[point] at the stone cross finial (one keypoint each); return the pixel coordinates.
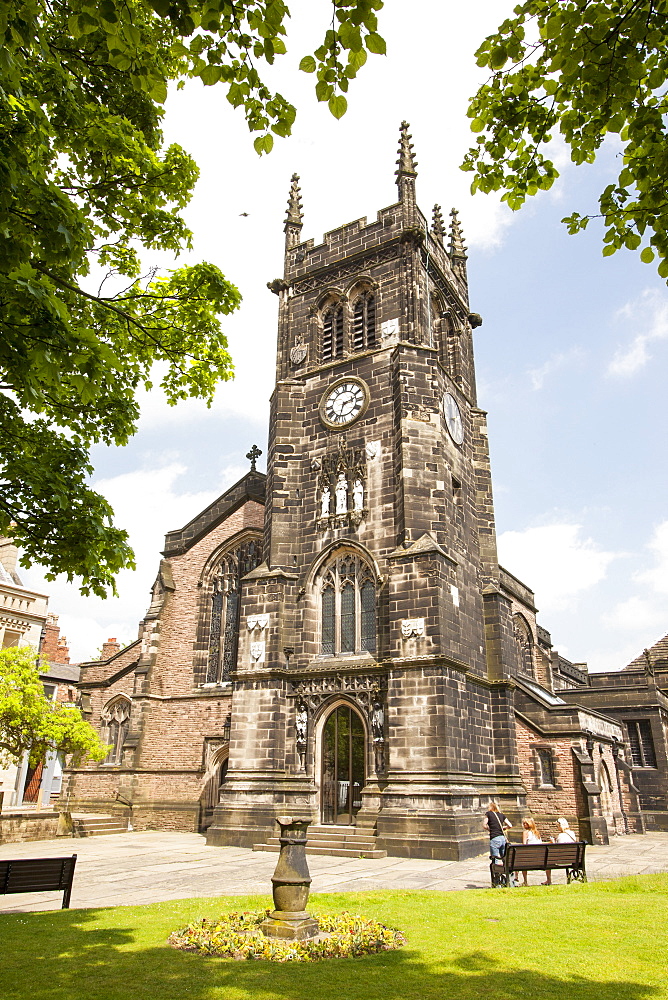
(437, 227)
(252, 456)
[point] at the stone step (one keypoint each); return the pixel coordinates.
(330, 850)
(353, 843)
(96, 826)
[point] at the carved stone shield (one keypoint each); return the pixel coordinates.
(298, 353)
(259, 622)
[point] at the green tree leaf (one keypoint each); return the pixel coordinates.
(338, 106)
(307, 65)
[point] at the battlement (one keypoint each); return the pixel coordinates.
(357, 237)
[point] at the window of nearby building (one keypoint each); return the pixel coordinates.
(49, 691)
(10, 638)
(226, 591)
(115, 727)
(641, 743)
(348, 607)
(364, 322)
(332, 332)
(546, 766)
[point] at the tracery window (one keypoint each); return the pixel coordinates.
(524, 640)
(332, 332)
(641, 743)
(115, 727)
(226, 590)
(364, 322)
(348, 607)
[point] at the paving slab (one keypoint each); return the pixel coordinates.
(154, 866)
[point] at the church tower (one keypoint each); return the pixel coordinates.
(373, 683)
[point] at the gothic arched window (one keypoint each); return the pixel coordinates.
(524, 640)
(364, 322)
(348, 607)
(332, 332)
(225, 594)
(115, 727)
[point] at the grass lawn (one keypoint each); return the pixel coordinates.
(605, 941)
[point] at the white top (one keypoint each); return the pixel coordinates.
(532, 838)
(566, 837)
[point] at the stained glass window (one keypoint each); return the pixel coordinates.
(368, 602)
(224, 629)
(348, 607)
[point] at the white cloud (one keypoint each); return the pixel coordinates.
(636, 613)
(646, 609)
(556, 362)
(646, 319)
(555, 561)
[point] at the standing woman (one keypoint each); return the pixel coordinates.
(530, 835)
(496, 823)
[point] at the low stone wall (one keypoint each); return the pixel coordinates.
(24, 826)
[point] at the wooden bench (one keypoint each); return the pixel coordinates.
(39, 875)
(537, 858)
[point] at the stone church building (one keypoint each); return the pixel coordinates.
(337, 640)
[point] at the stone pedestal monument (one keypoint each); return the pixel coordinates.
(291, 881)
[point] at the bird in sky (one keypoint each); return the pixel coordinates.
(244, 214)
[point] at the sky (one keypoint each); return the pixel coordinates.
(570, 358)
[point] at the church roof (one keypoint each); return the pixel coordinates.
(659, 651)
(249, 487)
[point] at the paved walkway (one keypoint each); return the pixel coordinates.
(149, 867)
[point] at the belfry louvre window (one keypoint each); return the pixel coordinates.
(641, 743)
(332, 333)
(364, 322)
(348, 608)
(224, 633)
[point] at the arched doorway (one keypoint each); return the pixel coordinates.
(343, 770)
(211, 792)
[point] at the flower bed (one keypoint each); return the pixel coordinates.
(238, 936)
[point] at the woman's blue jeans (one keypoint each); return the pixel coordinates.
(497, 846)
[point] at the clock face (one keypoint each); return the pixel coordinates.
(453, 418)
(344, 402)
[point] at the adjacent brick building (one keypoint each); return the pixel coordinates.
(338, 641)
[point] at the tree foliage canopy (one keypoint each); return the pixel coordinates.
(586, 70)
(30, 722)
(85, 185)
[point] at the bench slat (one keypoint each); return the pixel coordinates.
(38, 875)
